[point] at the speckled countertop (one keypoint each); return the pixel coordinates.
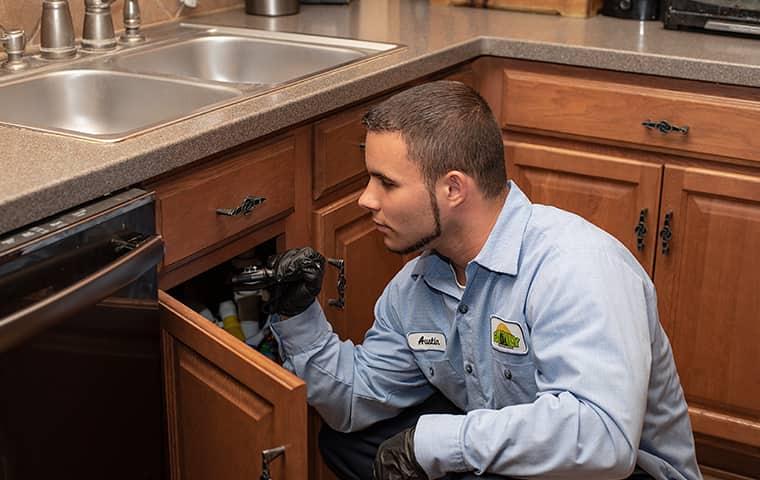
(42, 174)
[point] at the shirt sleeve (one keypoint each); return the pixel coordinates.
(588, 316)
(353, 386)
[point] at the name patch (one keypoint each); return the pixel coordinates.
(427, 341)
(507, 336)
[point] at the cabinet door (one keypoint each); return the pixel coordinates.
(226, 403)
(609, 191)
(345, 230)
(708, 285)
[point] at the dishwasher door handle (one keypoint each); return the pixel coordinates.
(22, 324)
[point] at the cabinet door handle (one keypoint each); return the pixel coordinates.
(339, 302)
(245, 207)
(666, 234)
(641, 229)
(361, 145)
(665, 127)
(267, 456)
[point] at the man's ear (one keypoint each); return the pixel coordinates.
(456, 186)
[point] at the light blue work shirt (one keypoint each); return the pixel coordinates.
(554, 349)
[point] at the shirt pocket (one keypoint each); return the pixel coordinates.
(442, 375)
(514, 379)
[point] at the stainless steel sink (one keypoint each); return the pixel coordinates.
(190, 70)
(229, 55)
(104, 105)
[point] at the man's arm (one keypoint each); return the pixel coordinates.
(588, 316)
(353, 386)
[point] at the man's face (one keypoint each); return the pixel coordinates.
(404, 210)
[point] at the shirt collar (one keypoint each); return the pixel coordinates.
(500, 253)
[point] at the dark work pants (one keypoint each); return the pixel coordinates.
(351, 455)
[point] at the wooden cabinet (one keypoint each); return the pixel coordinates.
(708, 283)
(575, 138)
(275, 174)
(613, 192)
(338, 150)
(227, 403)
(345, 230)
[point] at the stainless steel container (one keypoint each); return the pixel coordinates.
(272, 8)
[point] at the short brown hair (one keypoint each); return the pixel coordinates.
(446, 126)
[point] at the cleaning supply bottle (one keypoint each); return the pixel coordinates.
(228, 313)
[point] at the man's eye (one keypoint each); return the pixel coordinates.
(387, 183)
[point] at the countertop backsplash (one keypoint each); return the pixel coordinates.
(26, 14)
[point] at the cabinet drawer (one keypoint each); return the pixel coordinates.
(613, 106)
(338, 150)
(187, 205)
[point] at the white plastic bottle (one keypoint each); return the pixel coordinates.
(228, 313)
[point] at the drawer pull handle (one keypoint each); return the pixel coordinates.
(665, 128)
(641, 229)
(248, 204)
(666, 234)
(266, 457)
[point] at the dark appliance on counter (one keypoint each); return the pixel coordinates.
(632, 9)
(80, 363)
(727, 16)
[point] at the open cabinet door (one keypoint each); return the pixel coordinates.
(226, 403)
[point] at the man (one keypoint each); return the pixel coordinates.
(522, 342)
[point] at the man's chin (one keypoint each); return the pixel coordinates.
(404, 249)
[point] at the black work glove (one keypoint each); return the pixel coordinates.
(395, 459)
(299, 274)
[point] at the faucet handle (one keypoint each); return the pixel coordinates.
(14, 42)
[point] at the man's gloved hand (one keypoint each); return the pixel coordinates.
(299, 273)
(395, 459)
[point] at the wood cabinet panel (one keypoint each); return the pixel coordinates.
(226, 403)
(708, 284)
(187, 205)
(609, 191)
(345, 230)
(338, 150)
(614, 107)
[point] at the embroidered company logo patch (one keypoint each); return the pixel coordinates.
(426, 341)
(507, 336)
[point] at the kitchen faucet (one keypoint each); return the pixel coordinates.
(56, 31)
(98, 34)
(13, 42)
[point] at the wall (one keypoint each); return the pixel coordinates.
(26, 14)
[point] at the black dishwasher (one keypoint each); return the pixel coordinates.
(80, 364)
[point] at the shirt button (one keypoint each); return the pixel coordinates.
(463, 308)
(508, 374)
(468, 368)
(431, 371)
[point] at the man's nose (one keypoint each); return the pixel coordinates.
(367, 200)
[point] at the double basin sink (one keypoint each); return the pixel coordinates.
(199, 69)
